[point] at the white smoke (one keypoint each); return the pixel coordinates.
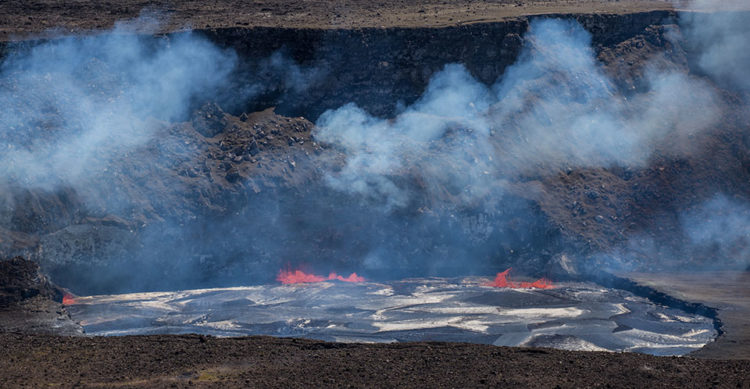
(720, 227)
(720, 37)
(440, 139)
(74, 104)
(554, 108)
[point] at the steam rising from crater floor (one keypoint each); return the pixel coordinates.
(456, 180)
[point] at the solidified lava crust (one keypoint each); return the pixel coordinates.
(659, 297)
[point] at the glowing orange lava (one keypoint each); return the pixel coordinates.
(299, 277)
(502, 281)
(68, 299)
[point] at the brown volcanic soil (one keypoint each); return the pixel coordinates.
(24, 17)
(183, 361)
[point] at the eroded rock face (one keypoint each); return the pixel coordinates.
(23, 280)
(30, 303)
(89, 242)
(378, 69)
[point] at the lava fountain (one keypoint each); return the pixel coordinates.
(68, 299)
(300, 277)
(502, 280)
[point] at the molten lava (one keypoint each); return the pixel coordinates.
(299, 277)
(503, 281)
(68, 299)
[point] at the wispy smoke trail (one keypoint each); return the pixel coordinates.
(720, 40)
(720, 228)
(713, 235)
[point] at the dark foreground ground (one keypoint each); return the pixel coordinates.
(184, 361)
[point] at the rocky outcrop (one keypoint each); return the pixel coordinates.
(22, 280)
(30, 303)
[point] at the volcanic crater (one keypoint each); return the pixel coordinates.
(207, 181)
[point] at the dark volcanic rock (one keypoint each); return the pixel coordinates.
(380, 68)
(209, 120)
(21, 279)
(163, 361)
(30, 303)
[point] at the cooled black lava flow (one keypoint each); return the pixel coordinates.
(610, 280)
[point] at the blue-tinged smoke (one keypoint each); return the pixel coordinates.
(720, 228)
(719, 37)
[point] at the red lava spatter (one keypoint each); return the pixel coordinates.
(300, 277)
(502, 281)
(68, 299)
